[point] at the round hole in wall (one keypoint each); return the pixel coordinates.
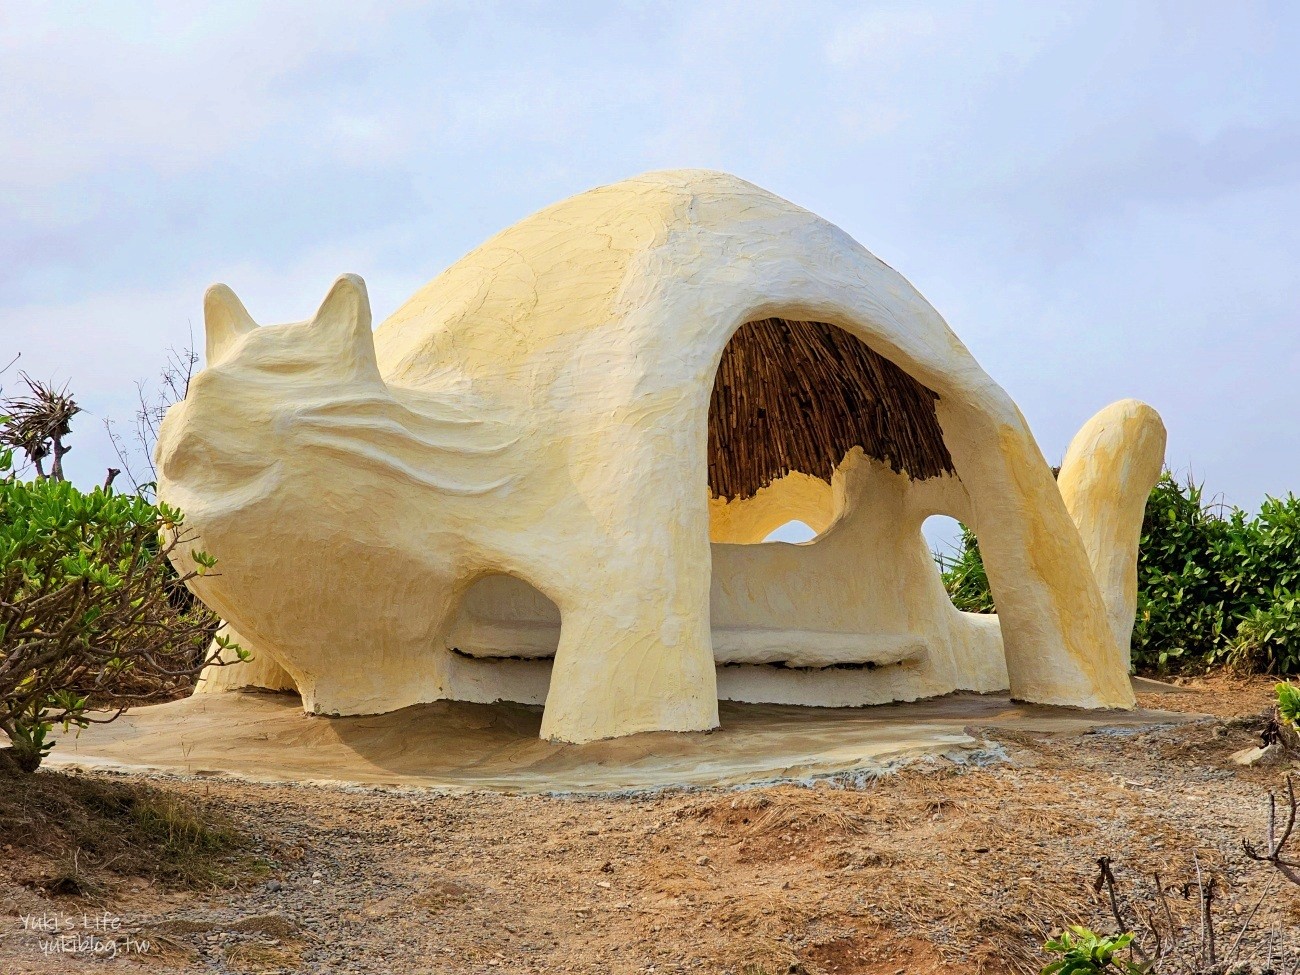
(957, 560)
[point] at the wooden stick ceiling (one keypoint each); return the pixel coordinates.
(798, 396)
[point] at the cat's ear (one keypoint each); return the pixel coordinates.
(225, 320)
(342, 323)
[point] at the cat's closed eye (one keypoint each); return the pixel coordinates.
(284, 365)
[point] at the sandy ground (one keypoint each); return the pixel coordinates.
(939, 867)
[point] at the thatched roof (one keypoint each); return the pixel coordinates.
(797, 396)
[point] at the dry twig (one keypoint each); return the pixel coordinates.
(1275, 847)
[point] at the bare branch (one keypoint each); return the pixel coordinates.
(1275, 849)
(1174, 940)
(1207, 894)
(153, 399)
(1106, 878)
(1268, 889)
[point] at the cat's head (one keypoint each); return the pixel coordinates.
(230, 443)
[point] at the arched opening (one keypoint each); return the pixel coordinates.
(502, 642)
(794, 498)
(813, 435)
(944, 536)
(501, 616)
(959, 564)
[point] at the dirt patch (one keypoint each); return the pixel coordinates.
(73, 835)
(876, 953)
(1221, 694)
(960, 869)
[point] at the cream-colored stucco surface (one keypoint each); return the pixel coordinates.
(501, 493)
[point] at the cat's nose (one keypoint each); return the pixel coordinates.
(179, 456)
(182, 451)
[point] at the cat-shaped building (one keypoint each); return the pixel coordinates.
(540, 481)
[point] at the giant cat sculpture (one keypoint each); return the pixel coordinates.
(537, 415)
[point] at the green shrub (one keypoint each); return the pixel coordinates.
(1268, 637)
(1182, 607)
(1215, 586)
(90, 609)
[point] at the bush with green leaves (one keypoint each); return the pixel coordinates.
(1084, 952)
(1268, 637)
(1218, 586)
(1288, 704)
(1182, 599)
(1215, 585)
(93, 616)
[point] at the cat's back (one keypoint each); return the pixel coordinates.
(544, 281)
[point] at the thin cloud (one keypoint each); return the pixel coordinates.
(1102, 200)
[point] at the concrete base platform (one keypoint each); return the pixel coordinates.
(455, 746)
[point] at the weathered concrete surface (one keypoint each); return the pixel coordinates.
(458, 746)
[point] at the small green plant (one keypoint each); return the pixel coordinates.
(1288, 704)
(1084, 952)
(1268, 637)
(964, 576)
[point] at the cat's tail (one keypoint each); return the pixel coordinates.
(1111, 466)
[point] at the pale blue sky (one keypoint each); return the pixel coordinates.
(1102, 199)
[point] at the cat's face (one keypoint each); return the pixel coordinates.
(230, 444)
